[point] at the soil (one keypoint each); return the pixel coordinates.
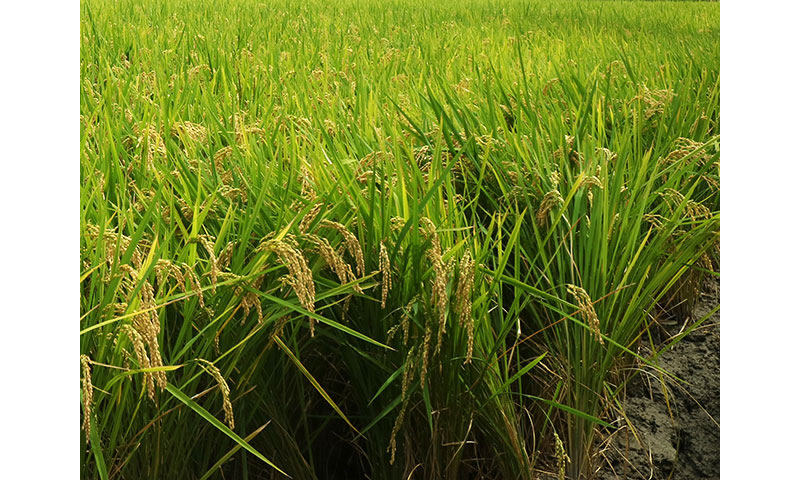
(678, 440)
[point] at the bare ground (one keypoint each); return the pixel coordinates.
(679, 439)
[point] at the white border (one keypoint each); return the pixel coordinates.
(760, 268)
(39, 238)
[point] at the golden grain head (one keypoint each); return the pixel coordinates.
(697, 210)
(654, 100)
(426, 346)
(141, 358)
(148, 324)
(405, 321)
(250, 299)
(186, 210)
(408, 372)
(386, 274)
(224, 389)
(191, 283)
(87, 391)
(149, 139)
(226, 255)
(334, 261)
(330, 127)
(576, 157)
(197, 70)
(208, 243)
(549, 85)
(397, 223)
(612, 226)
(561, 457)
(351, 242)
(221, 155)
(300, 277)
(245, 131)
(408, 377)
(165, 270)
(366, 176)
(551, 200)
(307, 188)
(395, 429)
(466, 282)
(440, 277)
(608, 154)
(705, 262)
(592, 181)
(231, 193)
(586, 310)
(371, 159)
(191, 131)
(392, 332)
(119, 308)
(686, 150)
(115, 244)
(277, 331)
(225, 172)
(672, 196)
(309, 217)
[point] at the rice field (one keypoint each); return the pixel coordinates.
(385, 239)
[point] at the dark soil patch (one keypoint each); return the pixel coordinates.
(679, 439)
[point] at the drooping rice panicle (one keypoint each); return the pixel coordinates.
(87, 391)
(224, 389)
(300, 277)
